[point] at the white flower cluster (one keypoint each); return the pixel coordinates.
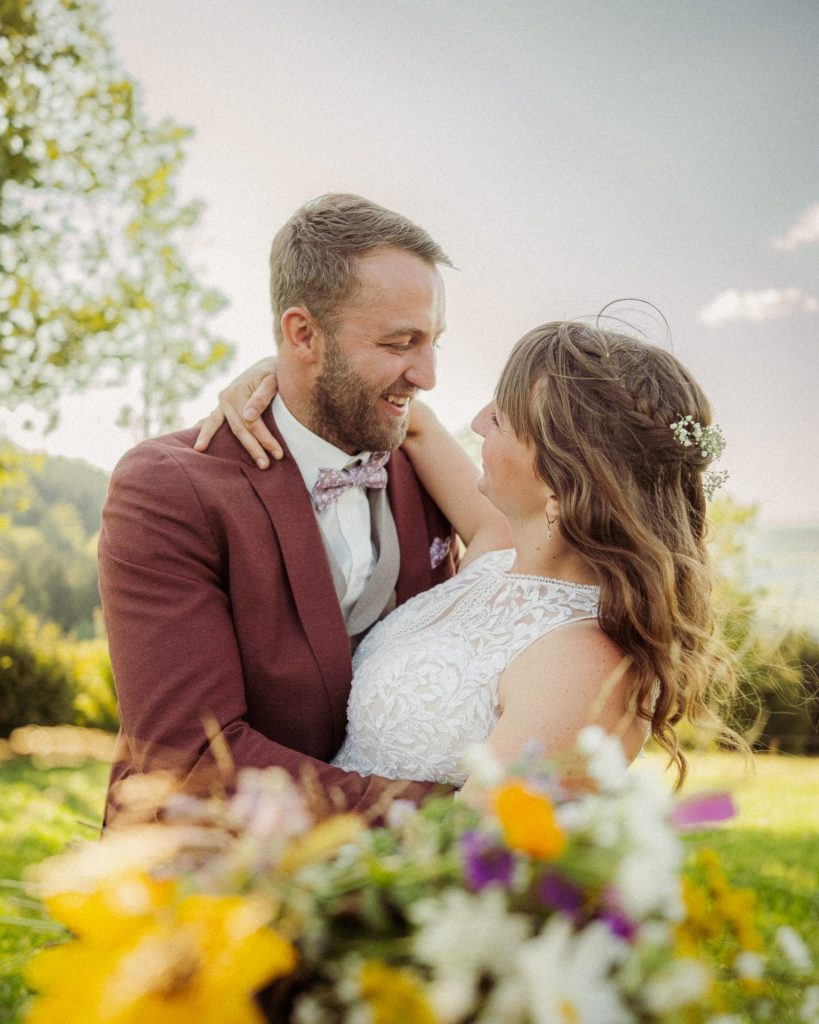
(691, 433)
(712, 481)
(562, 974)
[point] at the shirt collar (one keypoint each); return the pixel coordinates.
(311, 452)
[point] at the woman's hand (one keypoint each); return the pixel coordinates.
(242, 403)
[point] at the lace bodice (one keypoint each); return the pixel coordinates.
(425, 679)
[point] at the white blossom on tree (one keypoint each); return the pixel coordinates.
(95, 285)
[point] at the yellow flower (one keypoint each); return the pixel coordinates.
(119, 906)
(737, 907)
(155, 956)
(714, 871)
(528, 822)
(323, 840)
(700, 922)
(394, 995)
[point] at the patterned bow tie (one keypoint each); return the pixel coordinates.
(334, 482)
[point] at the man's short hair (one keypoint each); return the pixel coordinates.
(313, 257)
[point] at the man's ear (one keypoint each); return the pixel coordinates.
(301, 335)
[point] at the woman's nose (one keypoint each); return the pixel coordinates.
(479, 422)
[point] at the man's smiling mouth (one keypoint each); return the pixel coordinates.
(398, 402)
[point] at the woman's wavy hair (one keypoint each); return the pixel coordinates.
(597, 406)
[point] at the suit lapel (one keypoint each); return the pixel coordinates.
(415, 575)
(284, 496)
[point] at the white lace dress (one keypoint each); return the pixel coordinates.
(425, 679)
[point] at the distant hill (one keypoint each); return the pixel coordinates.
(72, 481)
(786, 563)
(50, 517)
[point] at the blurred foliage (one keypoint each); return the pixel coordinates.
(94, 286)
(95, 696)
(777, 703)
(50, 619)
(48, 678)
(49, 519)
(36, 686)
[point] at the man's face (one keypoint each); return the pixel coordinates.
(380, 352)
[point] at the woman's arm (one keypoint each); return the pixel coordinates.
(443, 467)
(242, 403)
(570, 678)
(450, 478)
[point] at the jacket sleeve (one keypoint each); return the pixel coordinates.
(173, 646)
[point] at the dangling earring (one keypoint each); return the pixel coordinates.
(551, 523)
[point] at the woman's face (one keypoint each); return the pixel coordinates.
(509, 479)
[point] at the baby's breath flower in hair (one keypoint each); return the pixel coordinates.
(712, 481)
(690, 433)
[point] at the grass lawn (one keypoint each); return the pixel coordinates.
(42, 810)
(772, 846)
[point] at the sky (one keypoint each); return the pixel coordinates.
(564, 154)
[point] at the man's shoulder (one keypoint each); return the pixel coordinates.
(221, 479)
(175, 451)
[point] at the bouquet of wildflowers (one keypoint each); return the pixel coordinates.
(552, 904)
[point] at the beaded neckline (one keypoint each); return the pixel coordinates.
(551, 579)
(591, 588)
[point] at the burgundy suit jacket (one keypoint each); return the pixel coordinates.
(220, 607)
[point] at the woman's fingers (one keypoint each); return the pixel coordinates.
(208, 428)
(241, 405)
(252, 434)
(263, 394)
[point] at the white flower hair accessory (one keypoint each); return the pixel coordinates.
(711, 442)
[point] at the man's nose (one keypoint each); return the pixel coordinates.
(421, 372)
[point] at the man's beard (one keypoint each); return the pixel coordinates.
(345, 407)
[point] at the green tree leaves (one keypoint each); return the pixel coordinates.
(95, 285)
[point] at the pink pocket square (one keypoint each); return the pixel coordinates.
(438, 551)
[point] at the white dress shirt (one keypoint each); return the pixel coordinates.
(345, 523)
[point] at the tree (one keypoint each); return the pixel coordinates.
(94, 285)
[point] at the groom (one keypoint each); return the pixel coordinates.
(232, 597)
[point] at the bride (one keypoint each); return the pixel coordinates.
(595, 451)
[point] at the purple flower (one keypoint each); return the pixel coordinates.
(485, 863)
(619, 924)
(703, 808)
(614, 916)
(561, 894)
(438, 551)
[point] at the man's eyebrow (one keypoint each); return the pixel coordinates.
(403, 332)
(399, 332)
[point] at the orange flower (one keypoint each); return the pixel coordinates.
(528, 822)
